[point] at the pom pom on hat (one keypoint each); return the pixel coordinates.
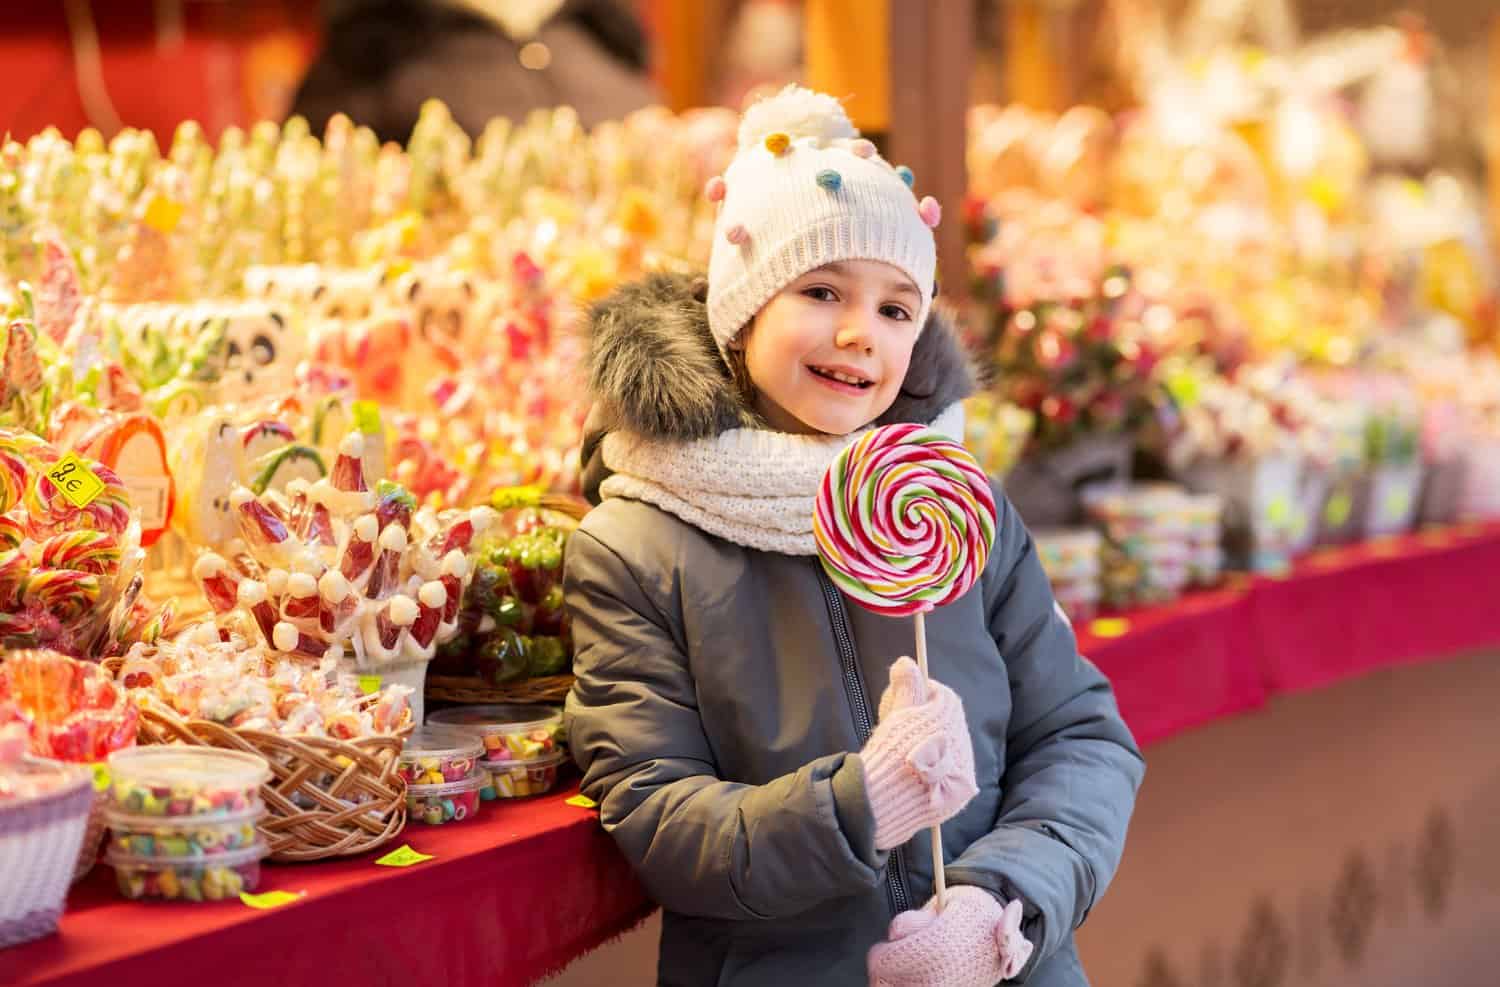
(796, 112)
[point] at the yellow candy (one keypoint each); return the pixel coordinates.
(167, 882)
(778, 143)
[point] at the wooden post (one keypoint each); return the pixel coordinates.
(1492, 137)
(931, 58)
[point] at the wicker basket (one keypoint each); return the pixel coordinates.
(39, 840)
(471, 690)
(326, 798)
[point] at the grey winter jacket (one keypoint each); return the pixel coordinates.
(722, 694)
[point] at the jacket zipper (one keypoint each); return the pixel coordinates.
(864, 723)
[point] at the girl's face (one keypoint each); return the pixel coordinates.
(828, 353)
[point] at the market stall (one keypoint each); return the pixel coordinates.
(289, 436)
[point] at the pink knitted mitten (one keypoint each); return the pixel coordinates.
(972, 943)
(919, 762)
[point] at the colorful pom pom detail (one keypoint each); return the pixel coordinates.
(737, 234)
(863, 148)
(829, 179)
(907, 176)
(715, 189)
(778, 143)
(930, 211)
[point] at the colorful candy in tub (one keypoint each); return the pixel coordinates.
(203, 878)
(156, 836)
(196, 782)
(509, 732)
(519, 779)
(452, 801)
(435, 755)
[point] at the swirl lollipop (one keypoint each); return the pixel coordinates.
(904, 522)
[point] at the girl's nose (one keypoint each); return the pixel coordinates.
(856, 331)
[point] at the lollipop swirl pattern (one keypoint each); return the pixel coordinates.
(904, 520)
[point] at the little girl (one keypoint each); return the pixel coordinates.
(722, 713)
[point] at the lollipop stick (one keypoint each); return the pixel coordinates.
(940, 884)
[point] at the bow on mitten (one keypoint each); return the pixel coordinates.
(919, 762)
(973, 942)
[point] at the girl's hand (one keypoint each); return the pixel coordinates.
(972, 943)
(919, 762)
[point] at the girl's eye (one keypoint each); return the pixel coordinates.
(821, 293)
(895, 312)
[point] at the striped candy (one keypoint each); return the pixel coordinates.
(904, 520)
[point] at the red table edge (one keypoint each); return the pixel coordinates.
(1245, 588)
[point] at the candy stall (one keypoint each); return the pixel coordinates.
(289, 442)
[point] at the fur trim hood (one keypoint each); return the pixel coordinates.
(654, 369)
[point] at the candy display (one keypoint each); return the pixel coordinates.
(521, 778)
(194, 783)
(200, 676)
(209, 877)
(511, 624)
(508, 733)
(69, 572)
(70, 709)
(1071, 558)
(182, 837)
(340, 565)
(452, 801)
(436, 755)
(904, 520)
(1147, 551)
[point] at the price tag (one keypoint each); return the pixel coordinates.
(583, 802)
(1109, 627)
(366, 416)
(1339, 507)
(149, 494)
(368, 684)
(1397, 502)
(270, 899)
(102, 780)
(75, 481)
(163, 214)
(1278, 510)
(403, 857)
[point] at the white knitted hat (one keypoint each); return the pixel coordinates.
(804, 190)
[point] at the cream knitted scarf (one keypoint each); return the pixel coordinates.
(749, 486)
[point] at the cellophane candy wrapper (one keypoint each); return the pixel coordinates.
(336, 567)
(211, 675)
(71, 709)
(70, 577)
(512, 624)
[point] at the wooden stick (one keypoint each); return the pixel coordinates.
(939, 882)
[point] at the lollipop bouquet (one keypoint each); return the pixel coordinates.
(69, 553)
(334, 567)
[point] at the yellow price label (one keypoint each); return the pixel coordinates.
(74, 480)
(1278, 510)
(1109, 627)
(270, 899)
(583, 802)
(102, 779)
(368, 684)
(1397, 502)
(1338, 509)
(163, 214)
(403, 857)
(366, 416)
